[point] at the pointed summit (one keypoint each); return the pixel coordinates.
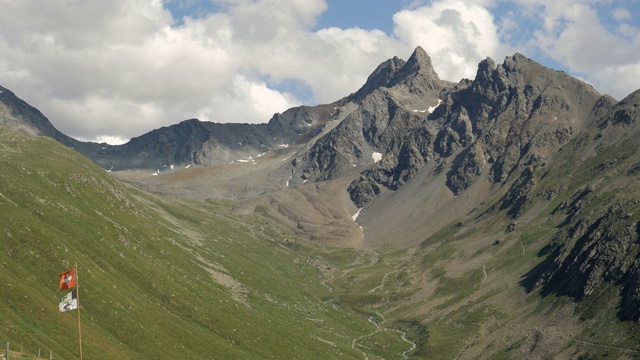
(421, 63)
(418, 67)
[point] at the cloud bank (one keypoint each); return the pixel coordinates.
(112, 70)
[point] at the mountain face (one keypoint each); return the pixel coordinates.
(509, 116)
(193, 142)
(17, 115)
(388, 108)
(598, 243)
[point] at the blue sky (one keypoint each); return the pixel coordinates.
(349, 13)
(107, 70)
(340, 13)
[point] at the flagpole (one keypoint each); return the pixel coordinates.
(78, 300)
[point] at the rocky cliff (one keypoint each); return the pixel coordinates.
(509, 116)
(597, 245)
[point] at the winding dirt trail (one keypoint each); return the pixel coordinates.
(379, 328)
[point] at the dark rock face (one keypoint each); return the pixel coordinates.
(189, 142)
(512, 114)
(598, 243)
(380, 77)
(390, 119)
(205, 143)
(17, 115)
(593, 249)
(517, 111)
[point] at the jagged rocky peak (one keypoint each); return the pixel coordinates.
(385, 72)
(517, 60)
(625, 112)
(512, 116)
(417, 72)
(516, 70)
(486, 67)
(380, 77)
(394, 101)
(421, 63)
(418, 66)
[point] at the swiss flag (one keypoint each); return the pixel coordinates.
(68, 279)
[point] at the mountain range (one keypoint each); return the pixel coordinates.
(505, 206)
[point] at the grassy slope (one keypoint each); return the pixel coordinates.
(159, 278)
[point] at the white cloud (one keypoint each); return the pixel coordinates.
(621, 14)
(247, 100)
(113, 140)
(456, 34)
(118, 69)
(574, 35)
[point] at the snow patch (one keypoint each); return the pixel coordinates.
(188, 166)
(171, 166)
(432, 108)
(283, 145)
(376, 156)
(355, 216)
(248, 160)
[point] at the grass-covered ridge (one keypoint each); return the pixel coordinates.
(159, 277)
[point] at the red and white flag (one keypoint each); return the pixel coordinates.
(68, 279)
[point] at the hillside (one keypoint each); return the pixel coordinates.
(159, 278)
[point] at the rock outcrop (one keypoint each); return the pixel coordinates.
(510, 115)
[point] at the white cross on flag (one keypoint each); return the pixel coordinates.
(68, 279)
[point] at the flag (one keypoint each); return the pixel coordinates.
(69, 301)
(68, 279)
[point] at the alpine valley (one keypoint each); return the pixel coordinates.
(494, 218)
